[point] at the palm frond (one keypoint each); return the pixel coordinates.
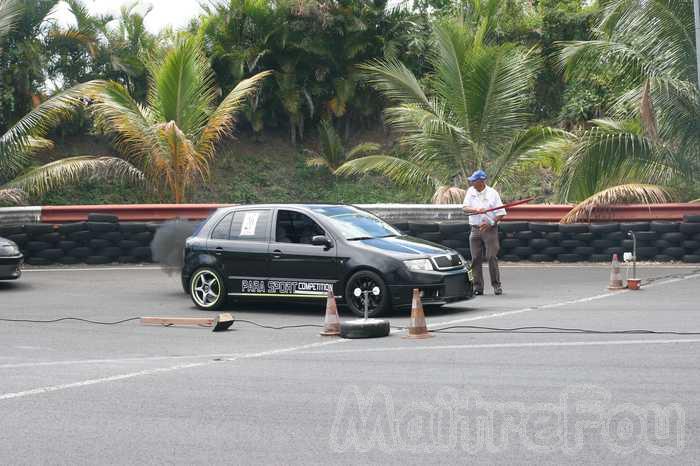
(393, 80)
(598, 204)
(10, 12)
(403, 172)
(181, 163)
(363, 149)
(71, 170)
(12, 196)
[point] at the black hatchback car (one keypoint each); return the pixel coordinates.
(300, 252)
(11, 260)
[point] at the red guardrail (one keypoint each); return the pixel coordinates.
(532, 212)
(129, 213)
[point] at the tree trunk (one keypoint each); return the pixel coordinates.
(292, 129)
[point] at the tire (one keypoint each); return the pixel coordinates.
(67, 245)
(691, 258)
(539, 244)
(68, 260)
(527, 235)
(696, 237)
(207, 289)
(553, 250)
(367, 280)
(584, 237)
(584, 250)
(523, 251)
(662, 244)
(646, 235)
(102, 227)
(143, 238)
(107, 218)
(601, 244)
(512, 227)
(555, 236)
(453, 229)
(690, 218)
(35, 246)
(127, 259)
(99, 243)
(634, 226)
(81, 236)
(361, 328)
(38, 261)
(50, 237)
(689, 228)
(674, 238)
(433, 237)
(454, 244)
(135, 227)
(80, 252)
(541, 258)
(511, 258)
(142, 252)
(36, 229)
(573, 228)
(615, 236)
(569, 258)
(675, 252)
(604, 228)
(510, 243)
(662, 258)
(600, 258)
(8, 230)
(20, 238)
(646, 252)
(663, 227)
(69, 228)
(615, 250)
(628, 244)
(423, 227)
(112, 236)
(112, 252)
(571, 243)
(128, 244)
(691, 245)
(544, 227)
(51, 254)
(97, 260)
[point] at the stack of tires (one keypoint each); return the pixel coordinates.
(100, 240)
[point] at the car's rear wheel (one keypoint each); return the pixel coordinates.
(378, 300)
(207, 289)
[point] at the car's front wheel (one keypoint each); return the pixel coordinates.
(369, 285)
(207, 289)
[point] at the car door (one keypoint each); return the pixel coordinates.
(296, 266)
(241, 241)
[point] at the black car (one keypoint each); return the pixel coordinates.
(11, 260)
(301, 251)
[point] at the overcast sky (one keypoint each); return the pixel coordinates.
(174, 12)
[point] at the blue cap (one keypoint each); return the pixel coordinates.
(478, 175)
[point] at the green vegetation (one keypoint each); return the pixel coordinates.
(595, 104)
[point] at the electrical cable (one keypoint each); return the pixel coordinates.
(283, 327)
(70, 318)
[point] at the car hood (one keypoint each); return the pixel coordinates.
(404, 247)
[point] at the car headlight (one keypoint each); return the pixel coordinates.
(419, 265)
(9, 249)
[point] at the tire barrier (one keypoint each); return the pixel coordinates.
(660, 241)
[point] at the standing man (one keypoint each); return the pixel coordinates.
(484, 230)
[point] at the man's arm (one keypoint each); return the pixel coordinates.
(467, 208)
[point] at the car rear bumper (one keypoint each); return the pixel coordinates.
(436, 289)
(11, 267)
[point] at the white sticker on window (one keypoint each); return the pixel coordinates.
(249, 222)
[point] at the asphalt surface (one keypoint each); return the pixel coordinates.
(78, 393)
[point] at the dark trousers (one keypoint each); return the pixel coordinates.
(484, 245)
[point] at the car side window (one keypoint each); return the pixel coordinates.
(221, 230)
(295, 227)
(250, 225)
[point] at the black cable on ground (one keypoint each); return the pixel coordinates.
(562, 330)
(71, 318)
(277, 328)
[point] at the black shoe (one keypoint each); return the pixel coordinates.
(498, 291)
(478, 292)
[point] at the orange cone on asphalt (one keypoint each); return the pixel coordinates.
(615, 277)
(331, 323)
(418, 327)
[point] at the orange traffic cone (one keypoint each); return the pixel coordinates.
(331, 323)
(615, 277)
(418, 327)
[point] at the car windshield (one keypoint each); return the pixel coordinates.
(355, 224)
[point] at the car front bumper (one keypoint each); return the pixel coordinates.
(437, 288)
(11, 267)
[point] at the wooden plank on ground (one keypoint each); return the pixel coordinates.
(179, 321)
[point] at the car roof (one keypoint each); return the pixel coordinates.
(307, 206)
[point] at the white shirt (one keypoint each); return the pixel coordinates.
(488, 198)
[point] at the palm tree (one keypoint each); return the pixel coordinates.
(333, 153)
(472, 113)
(10, 10)
(173, 137)
(648, 150)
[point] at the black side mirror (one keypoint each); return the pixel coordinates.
(321, 240)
